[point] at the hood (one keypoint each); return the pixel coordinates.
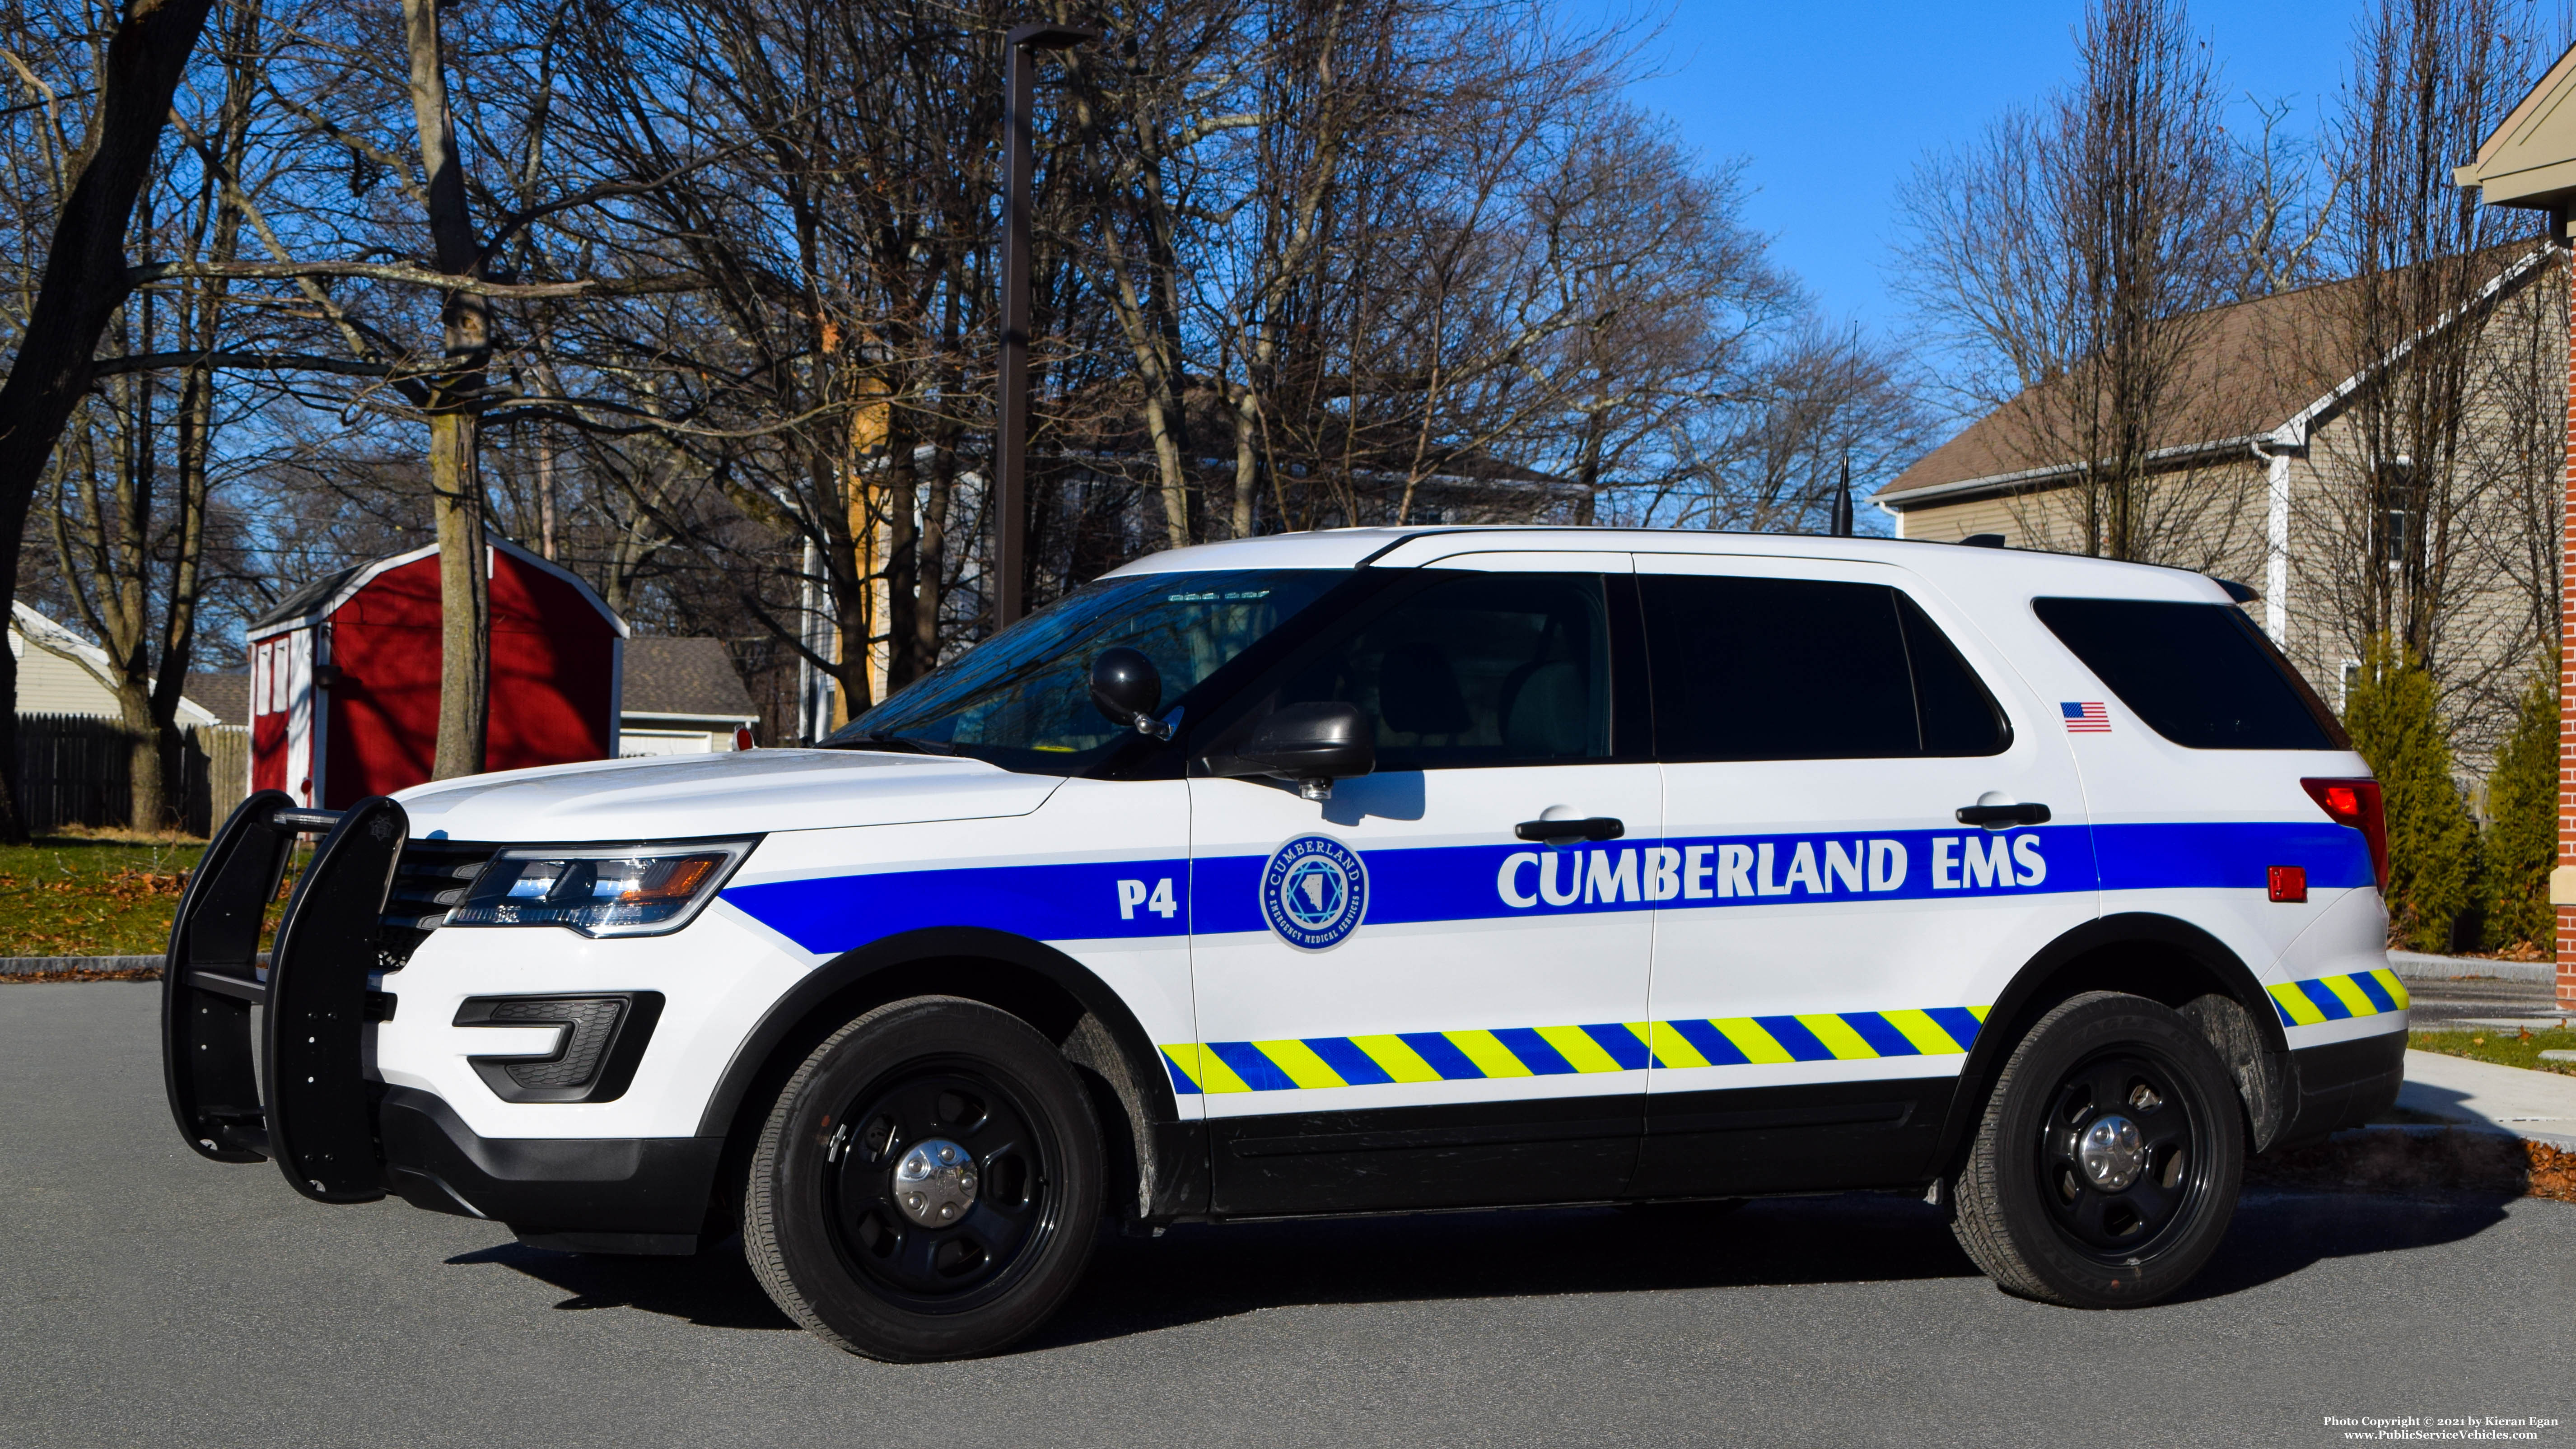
(682, 797)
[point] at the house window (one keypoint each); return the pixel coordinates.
(2349, 676)
(2396, 517)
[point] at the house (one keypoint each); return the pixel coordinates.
(61, 673)
(344, 676)
(683, 697)
(2265, 473)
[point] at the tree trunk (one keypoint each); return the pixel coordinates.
(464, 596)
(83, 282)
(456, 482)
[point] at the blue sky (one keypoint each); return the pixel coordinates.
(1831, 106)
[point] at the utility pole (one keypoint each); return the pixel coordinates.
(1010, 453)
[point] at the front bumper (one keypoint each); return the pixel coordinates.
(308, 1099)
(579, 1194)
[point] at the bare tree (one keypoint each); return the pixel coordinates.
(83, 283)
(2075, 250)
(2411, 493)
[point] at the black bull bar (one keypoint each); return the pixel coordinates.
(303, 1099)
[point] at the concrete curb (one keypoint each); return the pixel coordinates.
(2415, 966)
(44, 965)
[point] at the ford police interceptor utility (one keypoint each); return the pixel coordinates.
(1347, 872)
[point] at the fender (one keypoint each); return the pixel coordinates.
(2135, 928)
(1174, 1159)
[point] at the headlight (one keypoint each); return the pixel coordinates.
(610, 890)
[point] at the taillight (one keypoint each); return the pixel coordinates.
(2356, 803)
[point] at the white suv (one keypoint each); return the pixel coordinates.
(1351, 872)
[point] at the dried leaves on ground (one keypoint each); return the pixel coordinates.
(2402, 1161)
(75, 896)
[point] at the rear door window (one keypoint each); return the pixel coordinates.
(2201, 675)
(1807, 669)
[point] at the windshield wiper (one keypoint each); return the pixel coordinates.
(899, 744)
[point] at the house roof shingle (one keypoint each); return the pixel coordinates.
(225, 696)
(683, 676)
(2250, 369)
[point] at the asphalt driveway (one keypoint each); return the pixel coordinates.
(150, 1297)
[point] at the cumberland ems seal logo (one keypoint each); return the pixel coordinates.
(1314, 892)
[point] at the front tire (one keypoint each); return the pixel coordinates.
(2106, 1168)
(928, 1184)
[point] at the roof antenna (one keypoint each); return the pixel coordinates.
(1841, 527)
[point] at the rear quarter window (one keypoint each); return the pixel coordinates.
(2201, 675)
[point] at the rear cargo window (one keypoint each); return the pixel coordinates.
(2201, 675)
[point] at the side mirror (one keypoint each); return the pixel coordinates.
(1313, 744)
(1126, 687)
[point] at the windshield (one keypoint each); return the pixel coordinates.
(1022, 699)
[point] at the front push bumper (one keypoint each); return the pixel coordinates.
(305, 1100)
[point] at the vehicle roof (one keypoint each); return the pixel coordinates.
(1418, 547)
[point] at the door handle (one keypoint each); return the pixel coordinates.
(2002, 817)
(1557, 832)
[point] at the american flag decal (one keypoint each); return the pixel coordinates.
(2088, 718)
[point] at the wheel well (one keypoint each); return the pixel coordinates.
(2157, 957)
(1058, 998)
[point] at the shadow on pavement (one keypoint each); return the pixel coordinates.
(2277, 1232)
(1199, 1273)
(714, 1289)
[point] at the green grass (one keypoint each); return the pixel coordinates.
(2505, 1048)
(91, 896)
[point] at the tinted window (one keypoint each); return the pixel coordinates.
(1022, 698)
(1476, 669)
(2198, 674)
(1799, 669)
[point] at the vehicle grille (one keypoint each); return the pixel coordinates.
(429, 880)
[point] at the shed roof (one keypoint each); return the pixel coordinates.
(316, 600)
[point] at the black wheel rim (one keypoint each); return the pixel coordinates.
(2137, 1184)
(950, 1267)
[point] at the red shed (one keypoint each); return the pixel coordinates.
(344, 676)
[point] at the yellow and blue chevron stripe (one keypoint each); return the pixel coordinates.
(2337, 998)
(1297, 1063)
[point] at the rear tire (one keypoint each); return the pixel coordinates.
(928, 1184)
(2105, 1170)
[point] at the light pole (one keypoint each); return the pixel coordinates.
(1010, 454)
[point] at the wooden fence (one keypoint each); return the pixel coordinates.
(77, 769)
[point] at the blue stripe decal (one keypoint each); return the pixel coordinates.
(1881, 1034)
(1076, 901)
(1542, 1059)
(1345, 1057)
(1258, 1072)
(1621, 1043)
(1794, 1038)
(1104, 900)
(2327, 1002)
(1442, 1055)
(1180, 1082)
(1709, 1042)
(2190, 856)
(2370, 987)
(1958, 1021)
